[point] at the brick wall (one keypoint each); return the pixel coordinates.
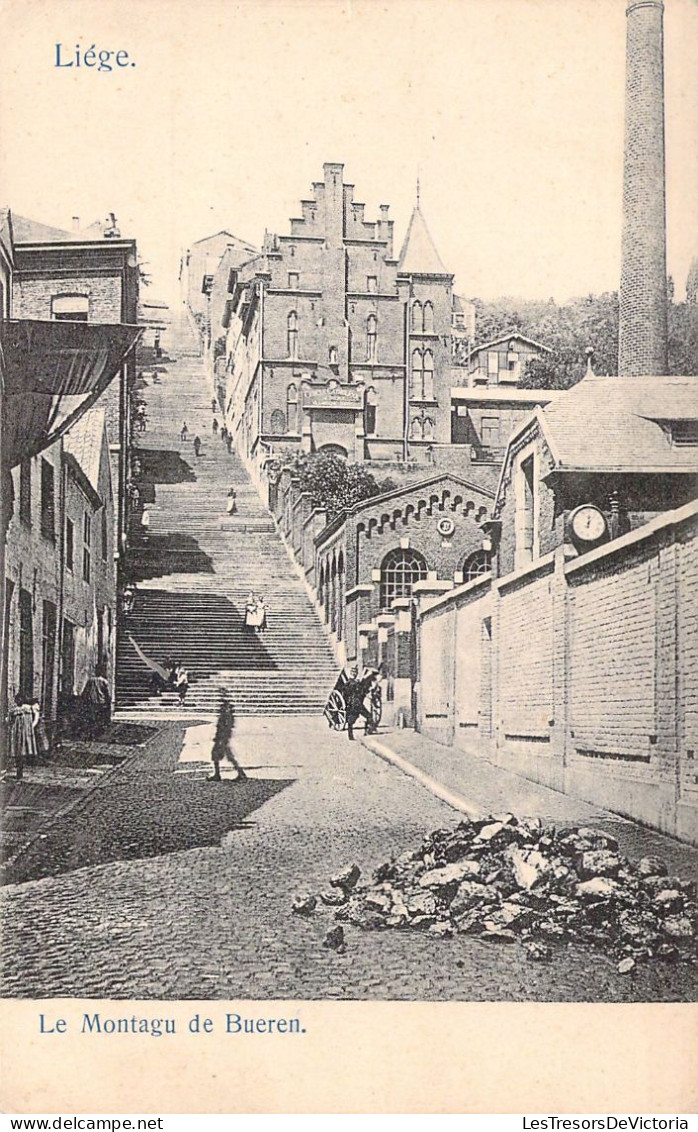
(591, 674)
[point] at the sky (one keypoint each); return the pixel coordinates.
(510, 112)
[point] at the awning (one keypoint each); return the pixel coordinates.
(53, 372)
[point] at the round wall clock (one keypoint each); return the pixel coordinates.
(588, 524)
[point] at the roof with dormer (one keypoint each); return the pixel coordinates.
(419, 255)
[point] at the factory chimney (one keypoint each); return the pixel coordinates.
(642, 345)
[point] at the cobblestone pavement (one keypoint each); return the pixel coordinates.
(161, 884)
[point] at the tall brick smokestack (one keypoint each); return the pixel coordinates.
(643, 288)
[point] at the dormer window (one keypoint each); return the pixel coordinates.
(684, 433)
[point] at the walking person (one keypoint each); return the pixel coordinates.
(224, 433)
(184, 434)
(214, 426)
(214, 405)
(229, 443)
(231, 503)
(222, 749)
(197, 445)
(96, 699)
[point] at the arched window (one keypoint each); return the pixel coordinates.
(428, 376)
(334, 450)
(333, 360)
(428, 429)
(370, 411)
(428, 318)
(292, 334)
(417, 375)
(371, 336)
(417, 316)
(292, 408)
(278, 422)
(416, 430)
(475, 565)
(400, 570)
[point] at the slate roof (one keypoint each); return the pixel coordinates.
(419, 255)
(84, 443)
(33, 232)
(612, 424)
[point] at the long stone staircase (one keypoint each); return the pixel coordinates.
(197, 565)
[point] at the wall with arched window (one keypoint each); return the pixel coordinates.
(417, 316)
(278, 422)
(476, 564)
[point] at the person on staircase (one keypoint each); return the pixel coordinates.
(224, 433)
(261, 615)
(180, 682)
(231, 504)
(214, 426)
(229, 443)
(197, 445)
(184, 434)
(214, 405)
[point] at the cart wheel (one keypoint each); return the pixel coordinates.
(376, 708)
(336, 711)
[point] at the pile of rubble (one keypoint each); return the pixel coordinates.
(504, 880)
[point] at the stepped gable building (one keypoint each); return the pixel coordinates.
(334, 342)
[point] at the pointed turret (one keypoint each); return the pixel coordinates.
(419, 255)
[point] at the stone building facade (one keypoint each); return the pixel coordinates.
(60, 275)
(198, 269)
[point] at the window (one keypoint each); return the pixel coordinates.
(417, 317)
(26, 646)
(428, 429)
(48, 502)
(372, 284)
(105, 544)
(48, 651)
(493, 364)
(400, 569)
(475, 565)
(70, 308)
(86, 546)
(417, 429)
(69, 544)
(371, 335)
(25, 492)
(292, 408)
(292, 334)
(489, 432)
(370, 412)
(278, 422)
(292, 280)
(684, 432)
(428, 376)
(68, 659)
(417, 375)
(428, 319)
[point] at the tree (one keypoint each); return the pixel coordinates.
(331, 481)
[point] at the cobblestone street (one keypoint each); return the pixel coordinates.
(162, 884)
